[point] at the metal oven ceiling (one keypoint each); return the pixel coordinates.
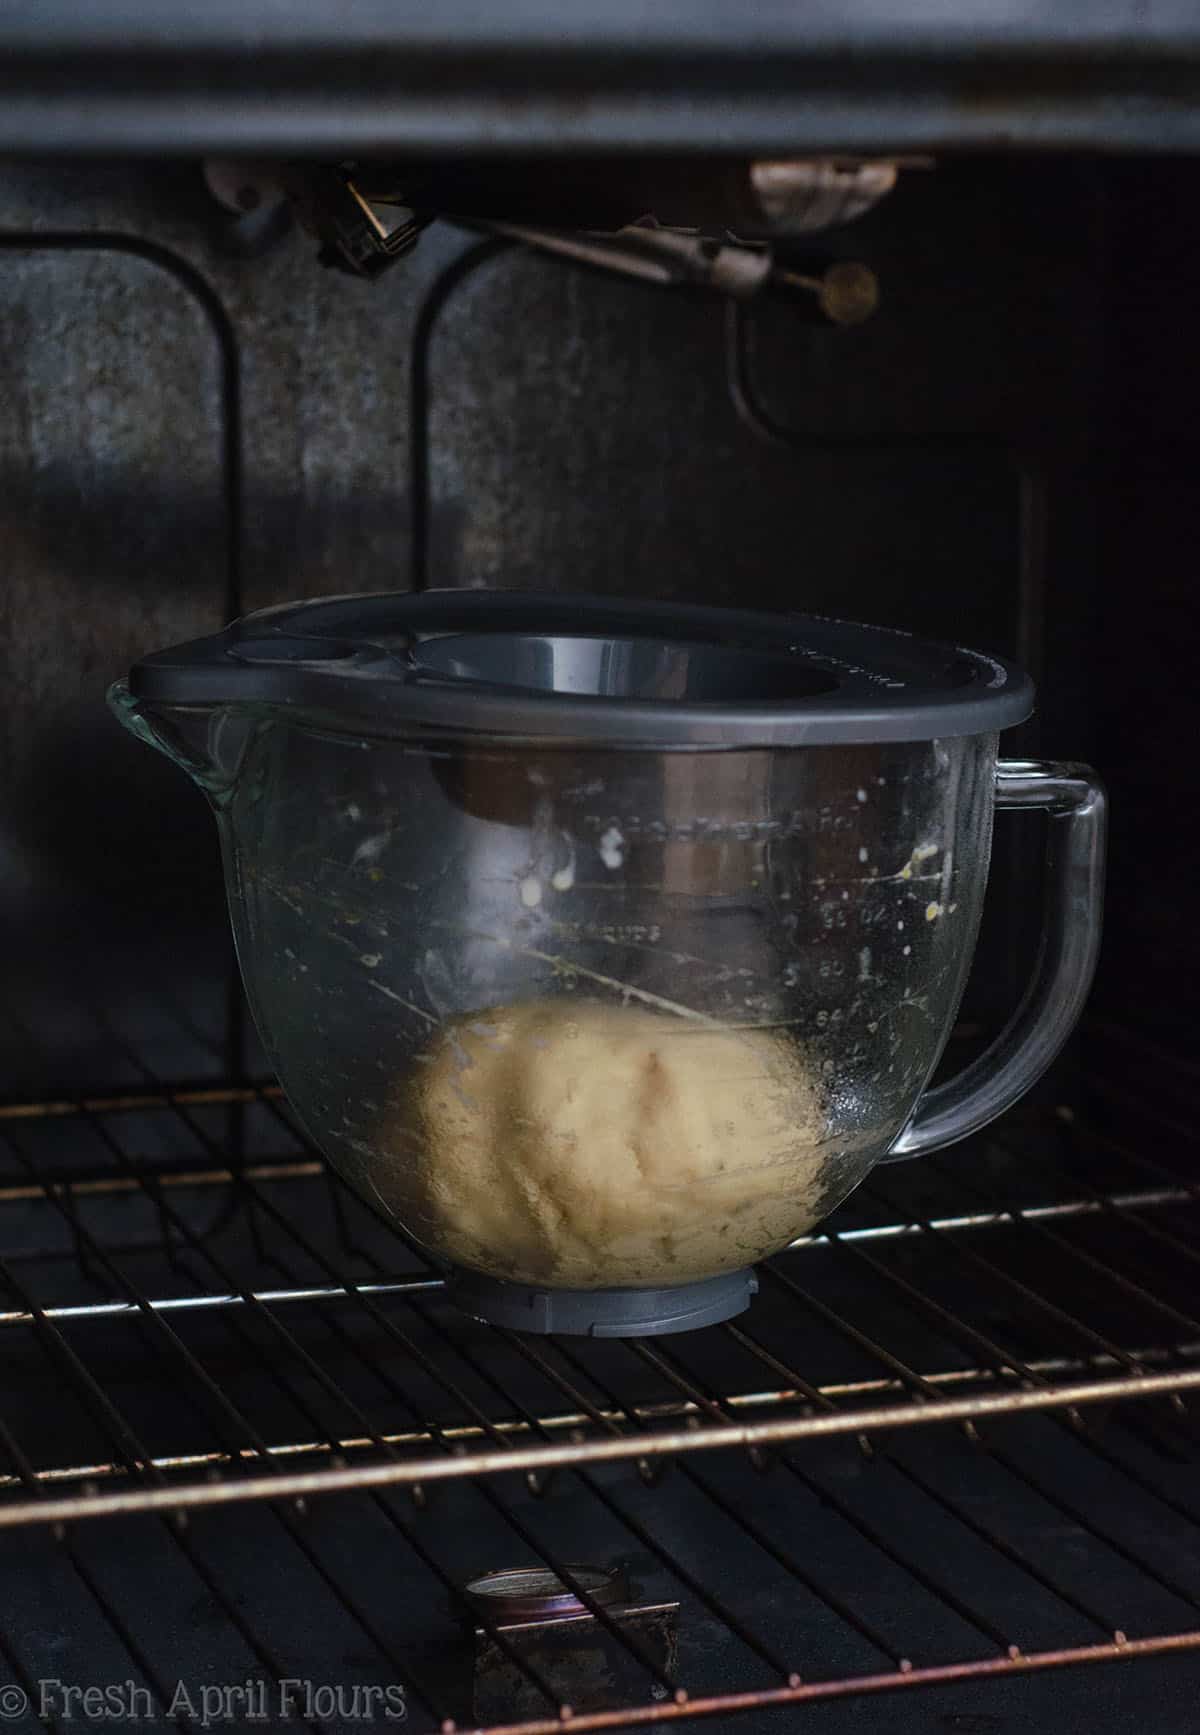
(321, 77)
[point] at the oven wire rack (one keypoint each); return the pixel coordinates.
(139, 1229)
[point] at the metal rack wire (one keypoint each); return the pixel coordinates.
(972, 1387)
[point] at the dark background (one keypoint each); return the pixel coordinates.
(1004, 456)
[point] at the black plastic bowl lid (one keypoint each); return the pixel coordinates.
(588, 668)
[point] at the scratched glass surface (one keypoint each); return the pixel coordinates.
(388, 896)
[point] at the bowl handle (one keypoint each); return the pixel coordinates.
(1074, 798)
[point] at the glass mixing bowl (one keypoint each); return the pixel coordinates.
(605, 948)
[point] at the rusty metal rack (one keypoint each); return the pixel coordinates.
(952, 1440)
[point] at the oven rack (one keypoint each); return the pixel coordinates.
(1002, 1336)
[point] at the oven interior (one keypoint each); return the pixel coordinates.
(242, 1437)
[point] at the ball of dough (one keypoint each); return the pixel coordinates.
(587, 1145)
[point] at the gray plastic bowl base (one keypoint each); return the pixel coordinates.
(602, 1312)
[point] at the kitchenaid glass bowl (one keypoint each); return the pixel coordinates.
(606, 948)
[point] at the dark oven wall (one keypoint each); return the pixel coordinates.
(187, 432)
